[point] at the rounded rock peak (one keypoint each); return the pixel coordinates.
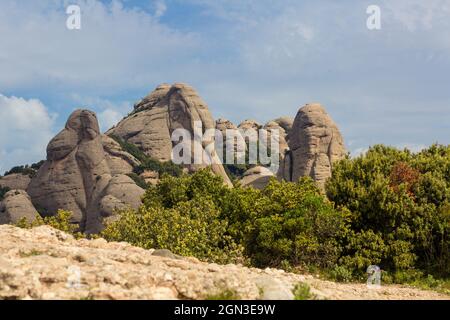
(249, 124)
(185, 90)
(182, 85)
(272, 124)
(223, 124)
(83, 120)
(285, 122)
(154, 97)
(313, 107)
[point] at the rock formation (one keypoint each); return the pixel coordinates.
(315, 144)
(273, 126)
(257, 177)
(249, 124)
(154, 119)
(119, 161)
(232, 138)
(286, 123)
(77, 175)
(150, 177)
(15, 181)
(15, 206)
(224, 124)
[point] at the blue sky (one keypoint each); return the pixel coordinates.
(256, 59)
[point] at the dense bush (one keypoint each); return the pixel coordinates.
(198, 215)
(296, 224)
(180, 214)
(400, 208)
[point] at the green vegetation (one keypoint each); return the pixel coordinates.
(61, 222)
(198, 215)
(400, 211)
(226, 294)
(181, 215)
(3, 191)
(388, 207)
(29, 170)
(148, 163)
(302, 291)
(236, 171)
(30, 253)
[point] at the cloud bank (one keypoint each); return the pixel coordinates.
(247, 58)
(25, 130)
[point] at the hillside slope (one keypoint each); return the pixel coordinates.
(44, 263)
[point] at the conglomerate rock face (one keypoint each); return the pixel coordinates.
(15, 206)
(15, 181)
(77, 175)
(315, 143)
(119, 161)
(157, 116)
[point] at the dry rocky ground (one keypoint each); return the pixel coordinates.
(44, 263)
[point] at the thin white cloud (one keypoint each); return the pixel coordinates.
(25, 130)
(160, 8)
(108, 118)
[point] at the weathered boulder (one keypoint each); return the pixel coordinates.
(157, 116)
(257, 177)
(15, 181)
(315, 144)
(76, 175)
(15, 206)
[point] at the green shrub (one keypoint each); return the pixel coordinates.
(138, 180)
(60, 221)
(302, 291)
(400, 209)
(181, 215)
(341, 274)
(225, 294)
(295, 223)
(190, 229)
(198, 215)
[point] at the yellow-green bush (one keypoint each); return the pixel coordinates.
(60, 221)
(181, 215)
(198, 215)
